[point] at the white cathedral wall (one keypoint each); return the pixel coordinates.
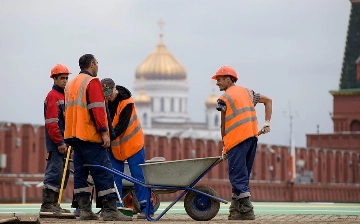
(166, 90)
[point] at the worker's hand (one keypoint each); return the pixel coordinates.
(62, 148)
(106, 140)
(266, 127)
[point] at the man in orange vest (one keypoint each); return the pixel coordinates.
(87, 131)
(54, 135)
(239, 132)
(129, 142)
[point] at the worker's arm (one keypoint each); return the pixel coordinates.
(268, 112)
(96, 105)
(52, 119)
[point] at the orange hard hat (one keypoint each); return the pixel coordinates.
(225, 70)
(59, 69)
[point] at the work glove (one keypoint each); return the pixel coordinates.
(266, 127)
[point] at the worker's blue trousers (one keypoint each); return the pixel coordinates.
(54, 171)
(92, 153)
(241, 159)
(136, 172)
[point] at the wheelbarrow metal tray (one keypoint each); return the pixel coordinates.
(177, 173)
(127, 183)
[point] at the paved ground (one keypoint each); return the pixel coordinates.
(266, 213)
(219, 219)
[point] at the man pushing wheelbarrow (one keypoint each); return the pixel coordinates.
(239, 132)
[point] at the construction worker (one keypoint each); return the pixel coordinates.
(239, 132)
(54, 137)
(87, 131)
(129, 142)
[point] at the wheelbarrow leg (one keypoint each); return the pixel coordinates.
(166, 209)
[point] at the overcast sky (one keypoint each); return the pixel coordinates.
(288, 50)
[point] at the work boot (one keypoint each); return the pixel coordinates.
(48, 202)
(110, 211)
(246, 209)
(234, 210)
(56, 198)
(85, 208)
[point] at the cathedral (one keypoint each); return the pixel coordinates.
(161, 97)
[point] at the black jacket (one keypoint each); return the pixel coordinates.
(125, 114)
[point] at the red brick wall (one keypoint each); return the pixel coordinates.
(270, 174)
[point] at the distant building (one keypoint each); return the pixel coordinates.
(346, 112)
(161, 97)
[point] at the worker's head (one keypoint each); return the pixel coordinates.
(109, 88)
(225, 77)
(60, 73)
(89, 63)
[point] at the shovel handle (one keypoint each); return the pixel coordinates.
(259, 133)
(64, 174)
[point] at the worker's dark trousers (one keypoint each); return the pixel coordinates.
(92, 153)
(241, 159)
(136, 172)
(54, 171)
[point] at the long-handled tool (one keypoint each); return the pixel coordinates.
(64, 175)
(125, 211)
(61, 215)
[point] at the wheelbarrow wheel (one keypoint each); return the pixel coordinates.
(130, 201)
(200, 207)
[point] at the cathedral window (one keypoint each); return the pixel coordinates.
(162, 104)
(216, 120)
(145, 119)
(172, 105)
(152, 104)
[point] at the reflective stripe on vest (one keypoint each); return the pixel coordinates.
(240, 116)
(78, 101)
(132, 140)
(78, 122)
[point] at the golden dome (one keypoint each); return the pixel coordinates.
(212, 100)
(161, 64)
(142, 97)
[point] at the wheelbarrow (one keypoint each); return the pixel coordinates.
(128, 190)
(201, 203)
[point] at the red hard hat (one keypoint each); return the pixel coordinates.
(225, 70)
(59, 69)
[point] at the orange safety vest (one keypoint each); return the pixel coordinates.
(132, 140)
(78, 122)
(240, 116)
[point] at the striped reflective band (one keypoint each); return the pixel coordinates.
(249, 94)
(105, 192)
(96, 104)
(234, 110)
(130, 135)
(81, 190)
(79, 101)
(237, 124)
(51, 120)
(60, 102)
